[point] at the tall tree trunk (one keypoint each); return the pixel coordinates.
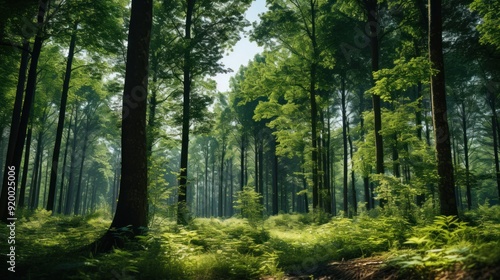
(213, 185)
(70, 195)
(495, 152)
(182, 202)
(242, 161)
(207, 204)
(372, 11)
(353, 177)
(18, 130)
(22, 192)
(60, 123)
(132, 207)
(63, 173)
(132, 200)
(221, 180)
(14, 126)
(34, 189)
(275, 180)
(78, 199)
(466, 157)
(261, 171)
(496, 133)
(344, 147)
(314, 109)
(446, 184)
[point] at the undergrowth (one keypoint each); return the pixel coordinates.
(211, 248)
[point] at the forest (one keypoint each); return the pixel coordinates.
(361, 143)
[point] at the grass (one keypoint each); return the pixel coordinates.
(236, 249)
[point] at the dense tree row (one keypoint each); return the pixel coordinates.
(352, 105)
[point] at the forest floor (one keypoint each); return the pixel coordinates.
(374, 268)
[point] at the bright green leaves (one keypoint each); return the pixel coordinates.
(489, 27)
(248, 202)
(401, 77)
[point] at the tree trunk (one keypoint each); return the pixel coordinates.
(63, 173)
(344, 147)
(495, 151)
(446, 182)
(182, 202)
(34, 189)
(496, 133)
(314, 109)
(466, 157)
(78, 199)
(372, 11)
(132, 207)
(18, 132)
(242, 161)
(16, 114)
(206, 155)
(24, 178)
(353, 177)
(221, 180)
(275, 181)
(60, 123)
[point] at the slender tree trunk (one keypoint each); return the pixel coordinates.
(275, 181)
(221, 180)
(70, 195)
(213, 185)
(34, 189)
(372, 10)
(60, 123)
(63, 173)
(314, 109)
(261, 170)
(24, 178)
(14, 126)
(496, 132)
(242, 162)
(182, 202)
(304, 188)
(207, 204)
(18, 130)
(495, 152)
(353, 177)
(446, 185)
(78, 199)
(466, 157)
(344, 147)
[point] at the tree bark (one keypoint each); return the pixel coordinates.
(182, 210)
(63, 173)
(60, 123)
(344, 146)
(372, 10)
(132, 206)
(446, 184)
(15, 148)
(22, 192)
(466, 157)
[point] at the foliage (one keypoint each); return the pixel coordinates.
(248, 202)
(236, 249)
(489, 26)
(447, 242)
